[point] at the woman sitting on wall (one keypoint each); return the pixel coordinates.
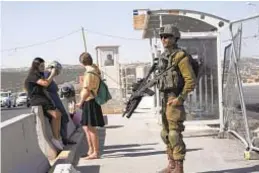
(36, 85)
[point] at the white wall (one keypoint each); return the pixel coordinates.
(140, 71)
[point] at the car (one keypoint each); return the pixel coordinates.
(23, 99)
(7, 99)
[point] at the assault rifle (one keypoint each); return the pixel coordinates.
(141, 89)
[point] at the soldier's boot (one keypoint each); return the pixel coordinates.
(171, 164)
(178, 166)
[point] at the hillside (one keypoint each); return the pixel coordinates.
(13, 80)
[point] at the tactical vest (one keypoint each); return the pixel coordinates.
(172, 80)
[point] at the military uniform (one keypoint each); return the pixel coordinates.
(176, 83)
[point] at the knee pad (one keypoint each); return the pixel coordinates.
(164, 136)
(174, 138)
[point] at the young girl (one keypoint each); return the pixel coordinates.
(92, 115)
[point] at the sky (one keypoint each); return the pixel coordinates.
(26, 23)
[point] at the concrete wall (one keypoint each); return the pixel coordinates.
(44, 133)
(26, 144)
(20, 148)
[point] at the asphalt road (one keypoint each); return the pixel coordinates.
(8, 113)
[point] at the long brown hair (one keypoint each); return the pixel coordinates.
(34, 69)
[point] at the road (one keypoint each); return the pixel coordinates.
(7, 113)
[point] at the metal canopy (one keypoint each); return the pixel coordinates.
(186, 20)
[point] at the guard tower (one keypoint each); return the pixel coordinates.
(108, 62)
(200, 37)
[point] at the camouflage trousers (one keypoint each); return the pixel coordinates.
(172, 123)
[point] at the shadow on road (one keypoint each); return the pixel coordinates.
(140, 154)
(126, 150)
(129, 150)
(200, 135)
(120, 151)
(194, 149)
(127, 146)
(113, 127)
(84, 146)
(136, 152)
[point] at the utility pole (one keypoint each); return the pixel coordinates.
(83, 34)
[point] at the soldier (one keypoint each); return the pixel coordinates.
(174, 87)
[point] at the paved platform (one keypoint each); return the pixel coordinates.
(134, 146)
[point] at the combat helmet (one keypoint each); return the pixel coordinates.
(56, 65)
(170, 30)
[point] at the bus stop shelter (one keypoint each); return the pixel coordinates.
(200, 37)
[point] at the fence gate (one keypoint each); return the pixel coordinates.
(241, 81)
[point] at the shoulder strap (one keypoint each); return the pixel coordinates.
(95, 74)
(99, 79)
(174, 54)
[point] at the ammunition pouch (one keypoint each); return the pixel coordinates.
(171, 80)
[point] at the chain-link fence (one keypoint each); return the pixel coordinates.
(241, 81)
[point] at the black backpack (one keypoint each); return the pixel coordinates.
(196, 66)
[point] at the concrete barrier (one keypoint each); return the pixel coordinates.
(44, 133)
(20, 147)
(26, 144)
(70, 155)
